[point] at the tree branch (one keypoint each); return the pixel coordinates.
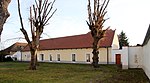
(49, 17)
(43, 5)
(47, 13)
(89, 13)
(105, 6)
(22, 29)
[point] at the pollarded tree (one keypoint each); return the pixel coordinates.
(96, 22)
(42, 13)
(123, 40)
(4, 14)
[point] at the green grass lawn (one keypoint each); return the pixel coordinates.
(17, 72)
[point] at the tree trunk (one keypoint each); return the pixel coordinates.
(34, 49)
(95, 53)
(95, 59)
(33, 59)
(37, 64)
(4, 14)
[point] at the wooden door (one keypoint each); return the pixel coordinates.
(118, 59)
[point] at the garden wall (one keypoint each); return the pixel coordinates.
(146, 59)
(131, 57)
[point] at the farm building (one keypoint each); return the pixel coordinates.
(78, 49)
(75, 49)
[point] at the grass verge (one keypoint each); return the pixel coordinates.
(17, 72)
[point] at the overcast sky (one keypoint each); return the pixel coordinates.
(131, 16)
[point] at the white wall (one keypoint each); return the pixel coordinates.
(114, 52)
(124, 56)
(26, 56)
(146, 59)
(135, 57)
(130, 56)
(16, 55)
(115, 43)
(66, 55)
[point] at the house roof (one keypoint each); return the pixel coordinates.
(147, 37)
(15, 47)
(76, 41)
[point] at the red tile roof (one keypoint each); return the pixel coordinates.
(15, 47)
(77, 41)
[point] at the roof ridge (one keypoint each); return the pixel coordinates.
(73, 35)
(65, 37)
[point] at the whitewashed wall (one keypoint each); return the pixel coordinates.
(115, 43)
(26, 56)
(17, 55)
(135, 57)
(146, 59)
(124, 56)
(66, 55)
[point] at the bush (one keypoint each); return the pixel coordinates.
(2, 57)
(8, 59)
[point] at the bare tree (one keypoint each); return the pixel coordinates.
(42, 13)
(96, 22)
(4, 14)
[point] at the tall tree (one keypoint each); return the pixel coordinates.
(123, 40)
(96, 22)
(4, 14)
(42, 13)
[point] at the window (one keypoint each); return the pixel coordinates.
(73, 57)
(50, 57)
(87, 57)
(42, 57)
(58, 57)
